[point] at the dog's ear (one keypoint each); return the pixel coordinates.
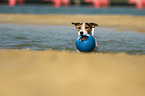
(93, 25)
(77, 24)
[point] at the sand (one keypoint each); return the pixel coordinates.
(121, 22)
(54, 73)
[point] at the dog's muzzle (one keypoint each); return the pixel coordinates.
(82, 32)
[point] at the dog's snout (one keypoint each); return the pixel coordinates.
(81, 32)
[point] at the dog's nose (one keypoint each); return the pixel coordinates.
(81, 32)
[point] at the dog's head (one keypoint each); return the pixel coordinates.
(84, 28)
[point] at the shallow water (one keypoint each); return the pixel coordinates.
(46, 9)
(42, 37)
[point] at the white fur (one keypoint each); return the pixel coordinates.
(83, 30)
(92, 31)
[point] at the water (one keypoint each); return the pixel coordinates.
(46, 9)
(42, 37)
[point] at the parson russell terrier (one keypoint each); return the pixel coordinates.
(85, 28)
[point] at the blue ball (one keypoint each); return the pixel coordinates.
(85, 43)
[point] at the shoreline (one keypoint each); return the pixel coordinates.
(119, 22)
(26, 72)
(61, 73)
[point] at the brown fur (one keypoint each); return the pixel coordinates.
(89, 26)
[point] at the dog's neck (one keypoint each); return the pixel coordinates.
(93, 29)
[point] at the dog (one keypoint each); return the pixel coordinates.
(85, 28)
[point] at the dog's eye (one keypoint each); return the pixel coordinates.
(79, 27)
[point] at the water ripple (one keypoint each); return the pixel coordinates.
(40, 37)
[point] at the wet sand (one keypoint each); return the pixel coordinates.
(53, 73)
(121, 22)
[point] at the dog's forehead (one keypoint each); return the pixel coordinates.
(85, 24)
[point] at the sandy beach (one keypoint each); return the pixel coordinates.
(61, 73)
(121, 22)
(54, 73)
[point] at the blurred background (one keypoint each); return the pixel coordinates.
(139, 4)
(125, 7)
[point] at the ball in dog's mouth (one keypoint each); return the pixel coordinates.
(83, 38)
